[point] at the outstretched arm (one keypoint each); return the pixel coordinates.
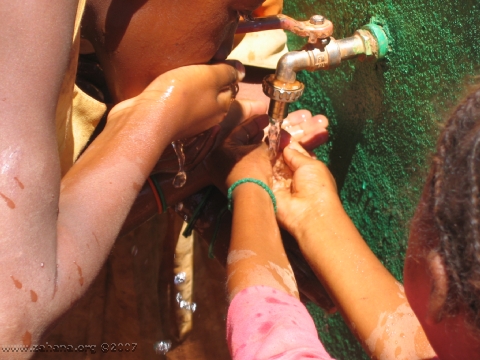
(371, 301)
(56, 235)
(265, 318)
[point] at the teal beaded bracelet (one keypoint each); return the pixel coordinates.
(255, 181)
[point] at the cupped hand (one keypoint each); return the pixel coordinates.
(191, 99)
(313, 190)
(310, 131)
(241, 155)
(197, 148)
(307, 130)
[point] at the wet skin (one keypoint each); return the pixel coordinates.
(140, 39)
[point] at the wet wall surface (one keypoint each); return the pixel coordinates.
(385, 117)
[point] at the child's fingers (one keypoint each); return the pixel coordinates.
(250, 108)
(299, 148)
(250, 129)
(226, 76)
(295, 156)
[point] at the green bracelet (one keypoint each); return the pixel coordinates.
(255, 181)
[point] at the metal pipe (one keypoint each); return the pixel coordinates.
(317, 27)
(283, 87)
(351, 47)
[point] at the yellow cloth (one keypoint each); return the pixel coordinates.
(261, 49)
(77, 114)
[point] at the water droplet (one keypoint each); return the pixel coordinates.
(42, 264)
(185, 305)
(179, 206)
(181, 177)
(180, 278)
(162, 347)
(134, 250)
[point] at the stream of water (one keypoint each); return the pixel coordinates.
(274, 137)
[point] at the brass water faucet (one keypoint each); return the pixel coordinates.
(322, 52)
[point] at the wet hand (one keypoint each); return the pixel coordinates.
(312, 191)
(310, 131)
(241, 155)
(191, 99)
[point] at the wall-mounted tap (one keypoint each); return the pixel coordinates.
(322, 52)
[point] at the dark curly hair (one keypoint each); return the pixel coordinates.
(455, 204)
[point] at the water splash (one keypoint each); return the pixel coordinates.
(162, 347)
(274, 137)
(181, 177)
(186, 305)
(180, 278)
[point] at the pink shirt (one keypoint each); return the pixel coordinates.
(265, 323)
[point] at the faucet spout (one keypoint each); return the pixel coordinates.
(283, 88)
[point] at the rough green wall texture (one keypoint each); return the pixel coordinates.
(384, 117)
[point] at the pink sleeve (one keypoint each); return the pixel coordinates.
(265, 323)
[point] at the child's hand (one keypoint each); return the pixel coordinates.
(310, 131)
(191, 98)
(241, 155)
(312, 192)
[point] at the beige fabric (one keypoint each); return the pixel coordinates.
(86, 113)
(183, 268)
(261, 49)
(75, 127)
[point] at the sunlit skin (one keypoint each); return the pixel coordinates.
(58, 251)
(426, 286)
(167, 35)
(371, 301)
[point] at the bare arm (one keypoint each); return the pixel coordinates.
(371, 301)
(35, 38)
(55, 236)
(256, 253)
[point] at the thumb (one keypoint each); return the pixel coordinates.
(249, 108)
(295, 156)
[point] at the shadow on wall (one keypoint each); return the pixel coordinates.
(360, 101)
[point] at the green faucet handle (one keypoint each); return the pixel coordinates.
(381, 39)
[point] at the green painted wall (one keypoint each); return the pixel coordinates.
(384, 117)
